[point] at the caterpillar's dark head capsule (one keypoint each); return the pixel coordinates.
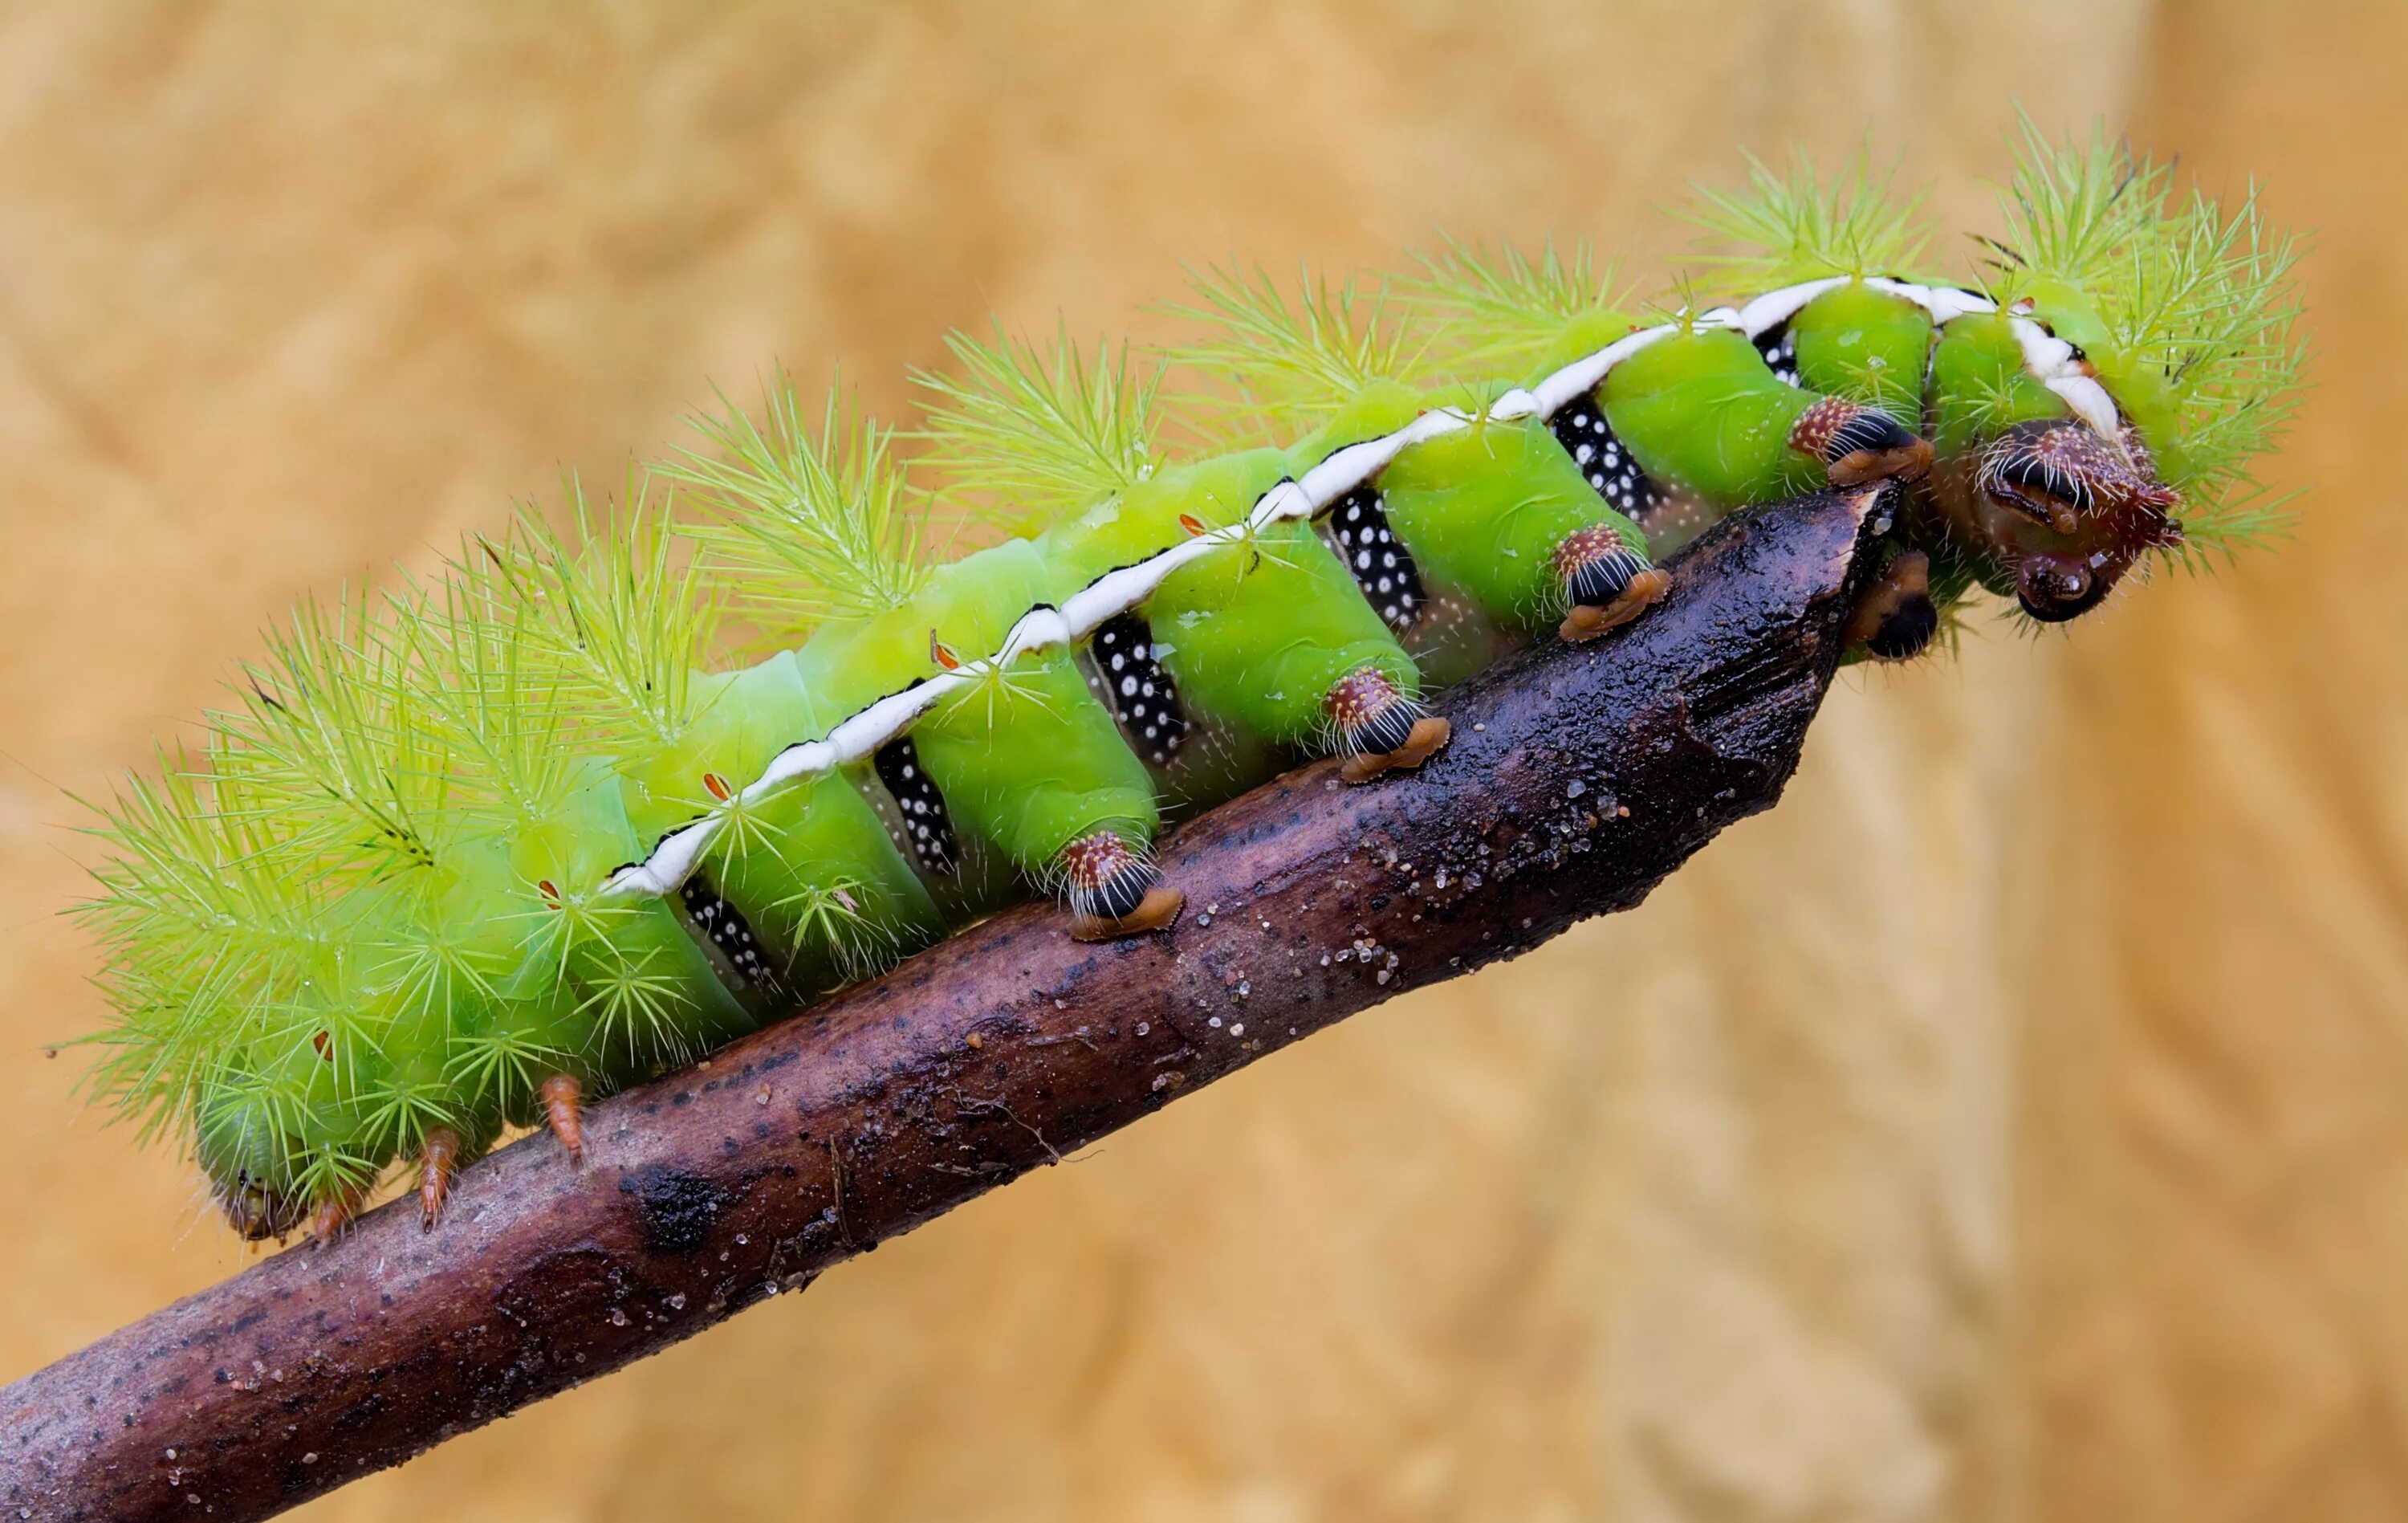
(1606, 582)
(2063, 511)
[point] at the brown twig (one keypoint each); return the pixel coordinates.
(1578, 778)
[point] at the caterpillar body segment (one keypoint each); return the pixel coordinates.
(507, 842)
(1258, 628)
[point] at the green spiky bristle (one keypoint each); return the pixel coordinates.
(810, 525)
(1034, 432)
(2189, 313)
(1801, 226)
(2198, 307)
(1273, 362)
(1500, 310)
(621, 607)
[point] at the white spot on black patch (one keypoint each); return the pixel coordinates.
(1137, 689)
(1580, 426)
(718, 923)
(922, 806)
(1381, 566)
(1779, 347)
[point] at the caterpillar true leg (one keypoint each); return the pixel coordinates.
(1894, 618)
(335, 1210)
(258, 1212)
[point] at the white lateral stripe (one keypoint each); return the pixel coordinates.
(1341, 471)
(663, 872)
(1583, 376)
(1513, 405)
(802, 759)
(2051, 362)
(2090, 401)
(1040, 628)
(1943, 304)
(2045, 355)
(1774, 308)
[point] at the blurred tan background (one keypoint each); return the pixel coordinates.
(2013, 1126)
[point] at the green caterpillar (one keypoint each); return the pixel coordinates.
(469, 854)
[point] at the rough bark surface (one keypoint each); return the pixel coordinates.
(1577, 779)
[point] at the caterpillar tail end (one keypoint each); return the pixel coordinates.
(1113, 890)
(560, 1096)
(1609, 584)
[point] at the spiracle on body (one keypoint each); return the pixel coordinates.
(474, 852)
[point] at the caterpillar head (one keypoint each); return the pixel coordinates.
(2148, 336)
(2133, 351)
(2064, 512)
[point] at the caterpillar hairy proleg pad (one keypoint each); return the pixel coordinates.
(1860, 444)
(477, 852)
(1113, 891)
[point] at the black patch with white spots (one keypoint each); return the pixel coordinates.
(922, 807)
(1134, 687)
(1780, 350)
(1580, 428)
(1378, 560)
(1779, 347)
(720, 925)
